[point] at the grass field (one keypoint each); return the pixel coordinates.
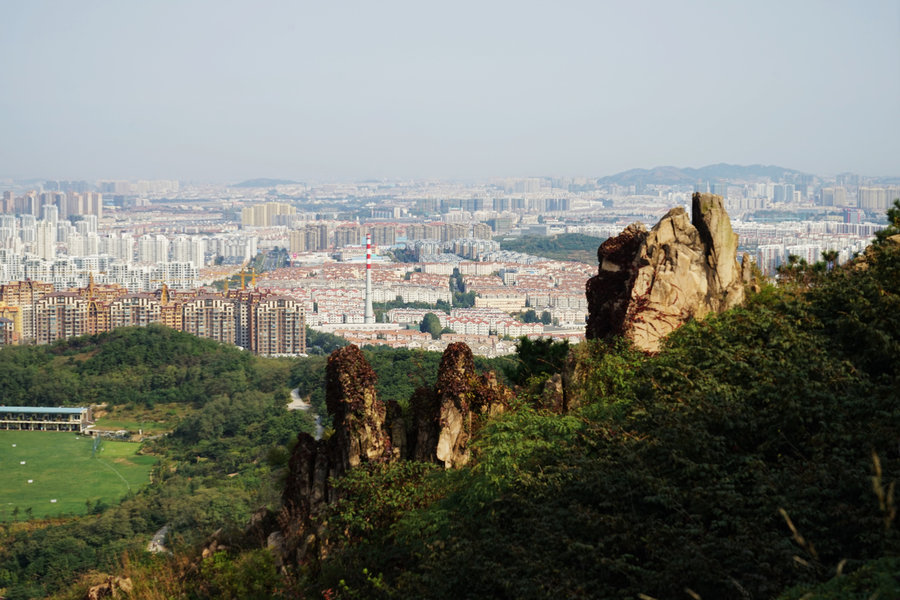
(61, 468)
(160, 418)
(148, 427)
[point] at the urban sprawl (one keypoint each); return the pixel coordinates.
(82, 258)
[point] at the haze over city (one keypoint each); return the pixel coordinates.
(210, 91)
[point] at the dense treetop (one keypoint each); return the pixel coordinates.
(564, 246)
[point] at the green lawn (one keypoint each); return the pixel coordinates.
(133, 426)
(61, 468)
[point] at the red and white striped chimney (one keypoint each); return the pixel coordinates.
(370, 312)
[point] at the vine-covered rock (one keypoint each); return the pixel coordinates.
(463, 397)
(366, 430)
(358, 417)
(360, 435)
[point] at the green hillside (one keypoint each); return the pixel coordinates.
(131, 365)
(564, 246)
(229, 441)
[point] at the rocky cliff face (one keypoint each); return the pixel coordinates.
(442, 422)
(360, 435)
(463, 398)
(357, 415)
(650, 282)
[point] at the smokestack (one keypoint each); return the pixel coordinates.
(370, 313)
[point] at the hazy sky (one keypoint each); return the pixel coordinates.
(223, 91)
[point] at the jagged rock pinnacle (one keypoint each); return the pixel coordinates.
(651, 282)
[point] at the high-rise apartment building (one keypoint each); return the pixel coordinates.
(877, 199)
(834, 196)
(264, 215)
(50, 212)
(210, 316)
(264, 323)
(58, 316)
(139, 309)
(783, 192)
(482, 231)
(311, 238)
(24, 295)
(347, 235)
(383, 235)
(45, 240)
(279, 326)
(453, 231)
(153, 249)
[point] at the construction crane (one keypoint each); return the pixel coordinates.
(244, 275)
(91, 287)
(163, 292)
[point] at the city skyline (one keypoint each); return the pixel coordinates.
(204, 91)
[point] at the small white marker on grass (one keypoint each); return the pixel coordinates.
(21, 462)
(53, 501)
(31, 481)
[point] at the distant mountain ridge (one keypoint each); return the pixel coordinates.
(668, 175)
(264, 182)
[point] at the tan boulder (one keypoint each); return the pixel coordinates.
(650, 283)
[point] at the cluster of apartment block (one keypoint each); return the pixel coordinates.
(334, 292)
(56, 250)
(260, 321)
(312, 237)
(65, 203)
(772, 244)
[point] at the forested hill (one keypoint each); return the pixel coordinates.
(145, 365)
(689, 176)
(229, 441)
(564, 246)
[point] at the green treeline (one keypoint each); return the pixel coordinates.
(565, 246)
(319, 343)
(146, 365)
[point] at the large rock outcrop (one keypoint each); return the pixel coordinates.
(360, 435)
(651, 282)
(463, 399)
(445, 417)
(443, 420)
(357, 415)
